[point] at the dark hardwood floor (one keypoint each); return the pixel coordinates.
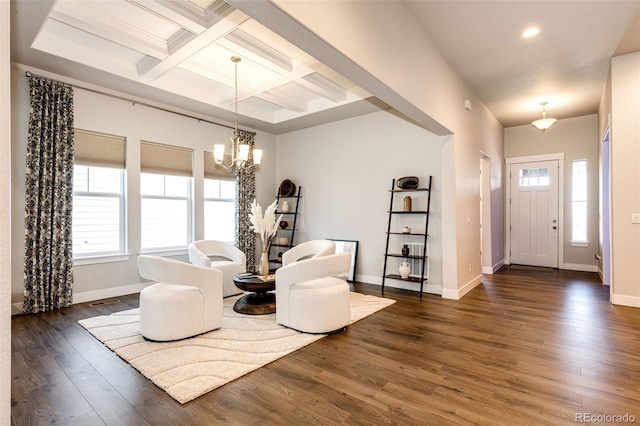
(526, 347)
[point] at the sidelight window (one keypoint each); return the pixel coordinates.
(579, 201)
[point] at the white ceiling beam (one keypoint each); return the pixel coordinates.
(324, 87)
(189, 22)
(301, 68)
(150, 71)
(89, 20)
(257, 51)
(284, 100)
(187, 14)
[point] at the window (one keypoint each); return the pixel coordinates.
(534, 177)
(165, 211)
(99, 225)
(219, 210)
(166, 200)
(579, 201)
(98, 211)
(219, 202)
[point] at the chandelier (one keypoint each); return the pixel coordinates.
(544, 123)
(240, 150)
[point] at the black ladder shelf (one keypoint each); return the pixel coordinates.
(289, 231)
(393, 210)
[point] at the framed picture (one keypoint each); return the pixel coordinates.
(351, 247)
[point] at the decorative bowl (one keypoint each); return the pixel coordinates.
(287, 188)
(284, 224)
(408, 182)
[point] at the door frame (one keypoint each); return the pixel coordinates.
(559, 156)
(486, 249)
(605, 206)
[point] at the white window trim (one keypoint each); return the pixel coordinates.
(585, 242)
(579, 244)
(122, 252)
(95, 259)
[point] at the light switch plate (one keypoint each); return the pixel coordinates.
(635, 217)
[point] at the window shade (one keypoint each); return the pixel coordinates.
(210, 169)
(165, 159)
(98, 149)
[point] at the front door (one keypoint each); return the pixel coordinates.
(534, 213)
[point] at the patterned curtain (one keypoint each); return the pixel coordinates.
(48, 278)
(246, 193)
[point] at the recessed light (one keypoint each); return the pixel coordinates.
(530, 32)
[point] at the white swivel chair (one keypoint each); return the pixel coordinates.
(220, 255)
(185, 301)
(308, 250)
(312, 295)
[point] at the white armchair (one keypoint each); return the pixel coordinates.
(312, 295)
(220, 255)
(185, 301)
(308, 250)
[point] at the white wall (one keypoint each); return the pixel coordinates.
(577, 138)
(380, 47)
(106, 114)
(346, 168)
(5, 218)
(625, 169)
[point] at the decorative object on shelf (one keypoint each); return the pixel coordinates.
(284, 224)
(414, 251)
(266, 226)
(241, 152)
(544, 123)
(284, 241)
(404, 269)
(291, 209)
(407, 203)
(279, 256)
(408, 182)
(287, 188)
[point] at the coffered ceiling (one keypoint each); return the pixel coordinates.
(185, 47)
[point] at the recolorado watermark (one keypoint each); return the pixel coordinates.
(605, 418)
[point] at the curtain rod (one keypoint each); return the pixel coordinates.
(134, 102)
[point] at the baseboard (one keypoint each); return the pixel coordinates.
(621, 299)
(16, 309)
(106, 293)
(580, 267)
(90, 296)
(459, 293)
(429, 287)
(369, 279)
(490, 270)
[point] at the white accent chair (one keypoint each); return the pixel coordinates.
(308, 250)
(185, 301)
(312, 295)
(220, 255)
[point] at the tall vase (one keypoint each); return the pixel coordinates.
(264, 262)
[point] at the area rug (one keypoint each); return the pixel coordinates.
(192, 367)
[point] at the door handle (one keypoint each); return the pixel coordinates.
(555, 227)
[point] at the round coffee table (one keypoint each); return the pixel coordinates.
(259, 301)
